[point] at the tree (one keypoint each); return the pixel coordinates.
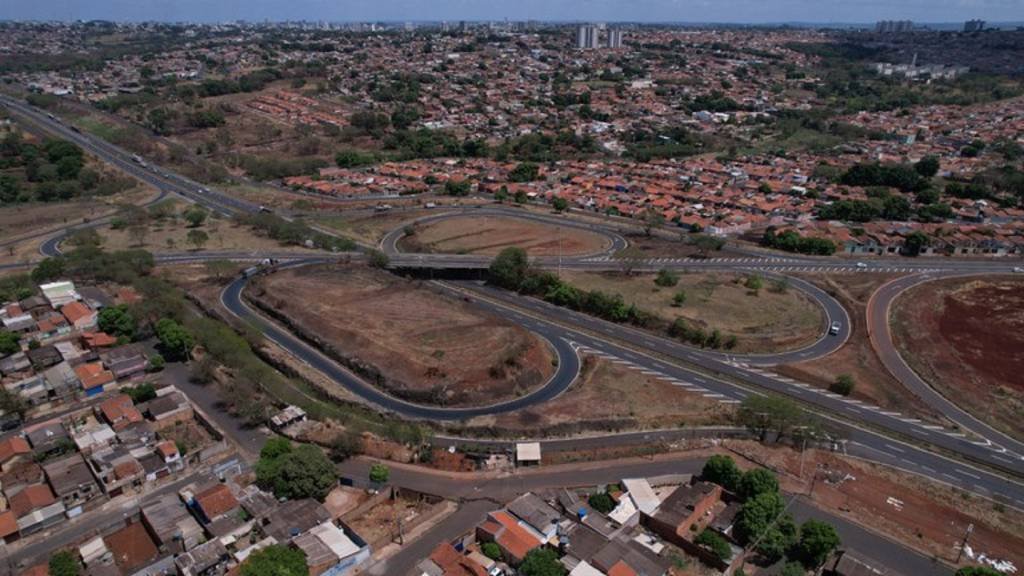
(601, 502)
(754, 283)
(276, 560)
(9, 343)
(295, 472)
(778, 539)
(817, 540)
(457, 187)
(491, 550)
(64, 563)
(525, 172)
(197, 238)
(756, 515)
(377, 259)
(142, 393)
(12, 403)
(843, 385)
(927, 166)
(156, 363)
(978, 571)
(756, 482)
(705, 243)
(915, 242)
(679, 298)
(117, 321)
(762, 414)
(559, 204)
(509, 268)
(792, 569)
(721, 469)
(221, 269)
(379, 473)
(651, 218)
(346, 445)
(666, 278)
(49, 269)
(175, 340)
(195, 215)
(542, 562)
(715, 543)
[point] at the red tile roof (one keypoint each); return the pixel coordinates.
(93, 375)
(98, 339)
(132, 548)
(515, 539)
(8, 523)
(216, 500)
(454, 564)
(120, 410)
(11, 447)
(31, 498)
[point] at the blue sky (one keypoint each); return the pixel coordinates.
(739, 11)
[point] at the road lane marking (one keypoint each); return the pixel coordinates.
(966, 473)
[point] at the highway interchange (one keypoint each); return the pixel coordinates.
(983, 460)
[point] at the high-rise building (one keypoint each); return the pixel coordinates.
(614, 38)
(588, 37)
(893, 26)
(974, 26)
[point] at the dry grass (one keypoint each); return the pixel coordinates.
(23, 219)
(488, 235)
(607, 394)
(172, 236)
(424, 346)
(764, 322)
(857, 357)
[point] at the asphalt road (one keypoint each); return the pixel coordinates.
(881, 338)
(887, 448)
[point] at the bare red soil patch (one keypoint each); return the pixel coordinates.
(966, 337)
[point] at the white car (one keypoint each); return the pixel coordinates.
(1018, 269)
(834, 328)
(861, 265)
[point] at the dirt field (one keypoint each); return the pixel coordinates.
(925, 515)
(369, 227)
(488, 235)
(411, 341)
(770, 321)
(857, 358)
(965, 337)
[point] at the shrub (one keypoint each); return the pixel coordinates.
(715, 543)
(666, 278)
(843, 385)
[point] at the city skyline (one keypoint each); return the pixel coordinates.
(649, 11)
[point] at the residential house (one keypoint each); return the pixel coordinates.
(119, 412)
(214, 502)
(171, 526)
(291, 518)
(445, 560)
(79, 316)
(93, 377)
(13, 449)
(72, 482)
(117, 470)
(126, 362)
(59, 293)
(681, 509)
(514, 540)
(48, 437)
(330, 551)
(203, 560)
(44, 357)
(35, 508)
(168, 409)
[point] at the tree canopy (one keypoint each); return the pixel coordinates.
(542, 562)
(276, 560)
(721, 469)
(294, 471)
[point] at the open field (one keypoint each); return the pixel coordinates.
(369, 227)
(608, 396)
(918, 512)
(488, 235)
(965, 337)
(17, 220)
(770, 321)
(857, 358)
(411, 341)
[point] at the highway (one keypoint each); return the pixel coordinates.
(878, 434)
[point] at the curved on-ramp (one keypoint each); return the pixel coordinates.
(565, 373)
(880, 334)
(389, 244)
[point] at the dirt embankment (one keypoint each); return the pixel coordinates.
(966, 338)
(412, 342)
(857, 358)
(610, 397)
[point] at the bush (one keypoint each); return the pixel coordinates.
(666, 278)
(156, 363)
(843, 385)
(379, 473)
(601, 502)
(64, 563)
(679, 298)
(491, 550)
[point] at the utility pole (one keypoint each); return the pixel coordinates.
(967, 535)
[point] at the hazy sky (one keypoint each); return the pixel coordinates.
(741, 11)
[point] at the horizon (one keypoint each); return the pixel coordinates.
(703, 12)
